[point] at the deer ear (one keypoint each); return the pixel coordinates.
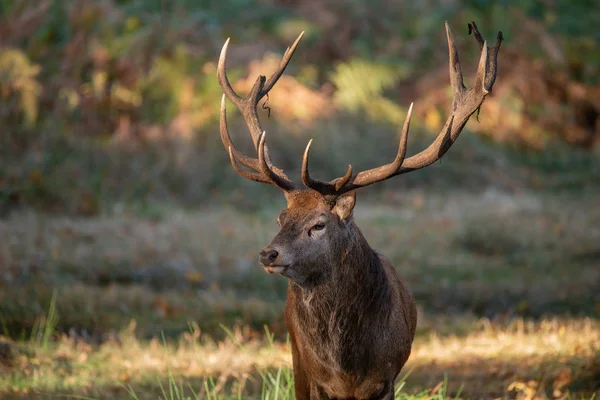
(344, 205)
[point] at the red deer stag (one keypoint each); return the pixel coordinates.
(350, 316)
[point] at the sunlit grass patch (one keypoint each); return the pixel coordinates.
(560, 355)
(556, 354)
(552, 357)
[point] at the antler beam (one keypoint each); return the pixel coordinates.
(465, 102)
(248, 108)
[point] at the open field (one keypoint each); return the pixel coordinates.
(486, 253)
(506, 285)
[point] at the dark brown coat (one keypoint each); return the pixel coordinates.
(350, 316)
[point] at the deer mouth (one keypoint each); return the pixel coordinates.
(275, 269)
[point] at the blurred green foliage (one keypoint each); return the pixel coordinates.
(18, 78)
(361, 85)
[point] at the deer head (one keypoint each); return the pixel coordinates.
(317, 223)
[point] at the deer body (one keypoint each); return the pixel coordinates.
(331, 326)
(340, 292)
(350, 316)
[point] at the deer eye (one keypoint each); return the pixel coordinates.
(317, 227)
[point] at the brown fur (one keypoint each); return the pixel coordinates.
(350, 316)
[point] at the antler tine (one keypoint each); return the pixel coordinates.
(277, 180)
(339, 182)
(253, 176)
(384, 172)
(306, 179)
(222, 76)
(492, 53)
(261, 87)
(456, 76)
(287, 56)
(325, 188)
(248, 109)
(236, 156)
(345, 184)
(480, 76)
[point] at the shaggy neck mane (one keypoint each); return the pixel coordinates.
(339, 311)
(357, 273)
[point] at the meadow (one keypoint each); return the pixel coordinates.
(118, 305)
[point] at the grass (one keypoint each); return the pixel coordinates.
(45, 327)
(487, 253)
(502, 312)
(553, 356)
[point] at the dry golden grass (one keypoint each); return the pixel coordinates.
(551, 356)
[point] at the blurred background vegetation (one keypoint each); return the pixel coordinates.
(115, 103)
(118, 202)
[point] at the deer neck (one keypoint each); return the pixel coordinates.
(336, 315)
(355, 278)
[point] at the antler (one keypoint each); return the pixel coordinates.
(263, 169)
(465, 102)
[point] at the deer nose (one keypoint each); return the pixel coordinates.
(268, 256)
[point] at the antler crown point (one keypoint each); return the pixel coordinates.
(225, 45)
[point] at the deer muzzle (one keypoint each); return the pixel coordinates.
(268, 257)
